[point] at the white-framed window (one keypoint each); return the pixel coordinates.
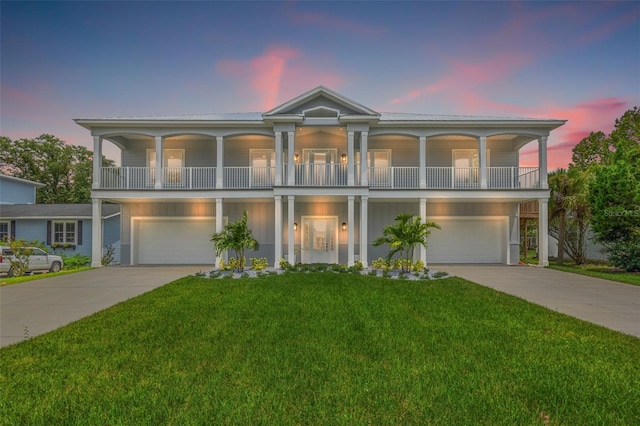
(172, 158)
(65, 232)
(466, 158)
(5, 230)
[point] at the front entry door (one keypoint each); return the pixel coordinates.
(319, 239)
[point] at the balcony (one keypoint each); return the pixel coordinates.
(318, 175)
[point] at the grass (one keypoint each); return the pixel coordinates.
(38, 276)
(598, 271)
(323, 348)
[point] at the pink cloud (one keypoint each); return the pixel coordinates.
(583, 118)
(461, 78)
(606, 29)
(261, 79)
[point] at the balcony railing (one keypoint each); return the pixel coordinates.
(319, 175)
(145, 178)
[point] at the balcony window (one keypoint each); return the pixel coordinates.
(465, 167)
(173, 160)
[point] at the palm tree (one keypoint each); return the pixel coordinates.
(404, 235)
(569, 200)
(237, 237)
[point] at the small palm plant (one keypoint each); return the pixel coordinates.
(403, 236)
(237, 237)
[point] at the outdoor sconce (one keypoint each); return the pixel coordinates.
(343, 157)
(344, 226)
(295, 226)
(296, 157)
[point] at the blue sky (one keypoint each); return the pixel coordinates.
(568, 60)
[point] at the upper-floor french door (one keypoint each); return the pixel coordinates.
(263, 167)
(320, 167)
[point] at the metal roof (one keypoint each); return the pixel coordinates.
(33, 211)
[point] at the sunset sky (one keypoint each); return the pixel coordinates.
(578, 61)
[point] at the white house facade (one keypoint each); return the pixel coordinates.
(320, 177)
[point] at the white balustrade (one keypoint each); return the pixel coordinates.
(309, 174)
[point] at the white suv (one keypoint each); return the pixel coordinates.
(39, 261)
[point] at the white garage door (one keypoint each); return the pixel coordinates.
(467, 240)
(175, 241)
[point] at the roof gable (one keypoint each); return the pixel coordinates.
(319, 102)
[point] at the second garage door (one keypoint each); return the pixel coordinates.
(174, 241)
(468, 240)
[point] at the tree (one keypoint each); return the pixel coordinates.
(569, 211)
(594, 149)
(237, 237)
(615, 202)
(404, 235)
(65, 170)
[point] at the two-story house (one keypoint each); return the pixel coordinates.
(320, 176)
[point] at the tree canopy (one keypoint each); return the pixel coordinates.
(614, 194)
(65, 170)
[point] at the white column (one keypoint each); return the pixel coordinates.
(278, 232)
(542, 161)
(219, 162)
(291, 170)
(159, 161)
(350, 231)
(513, 237)
(422, 152)
(350, 153)
(97, 162)
(96, 232)
(482, 157)
(290, 219)
(364, 227)
(543, 232)
(364, 166)
(278, 180)
(423, 219)
(219, 225)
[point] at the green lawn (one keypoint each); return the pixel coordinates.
(38, 276)
(323, 348)
(598, 271)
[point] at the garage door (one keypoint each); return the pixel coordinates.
(175, 241)
(468, 240)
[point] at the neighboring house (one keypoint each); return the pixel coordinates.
(64, 228)
(14, 190)
(320, 176)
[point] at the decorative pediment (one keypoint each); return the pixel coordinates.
(321, 103)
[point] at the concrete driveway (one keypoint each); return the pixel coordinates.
(37, 307)
(607, 303)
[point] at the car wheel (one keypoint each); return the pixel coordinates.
(55, 267)
(13, 273)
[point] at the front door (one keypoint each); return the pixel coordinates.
(319, 239)
(262, 167)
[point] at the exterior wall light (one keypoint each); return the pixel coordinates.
(343, 157)
(344, 226)
(295, 226)
(296, 157)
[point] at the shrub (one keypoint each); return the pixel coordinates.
(417, 266)
(259, 263)
(20, 259)
(75, 261)
(107, 256)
